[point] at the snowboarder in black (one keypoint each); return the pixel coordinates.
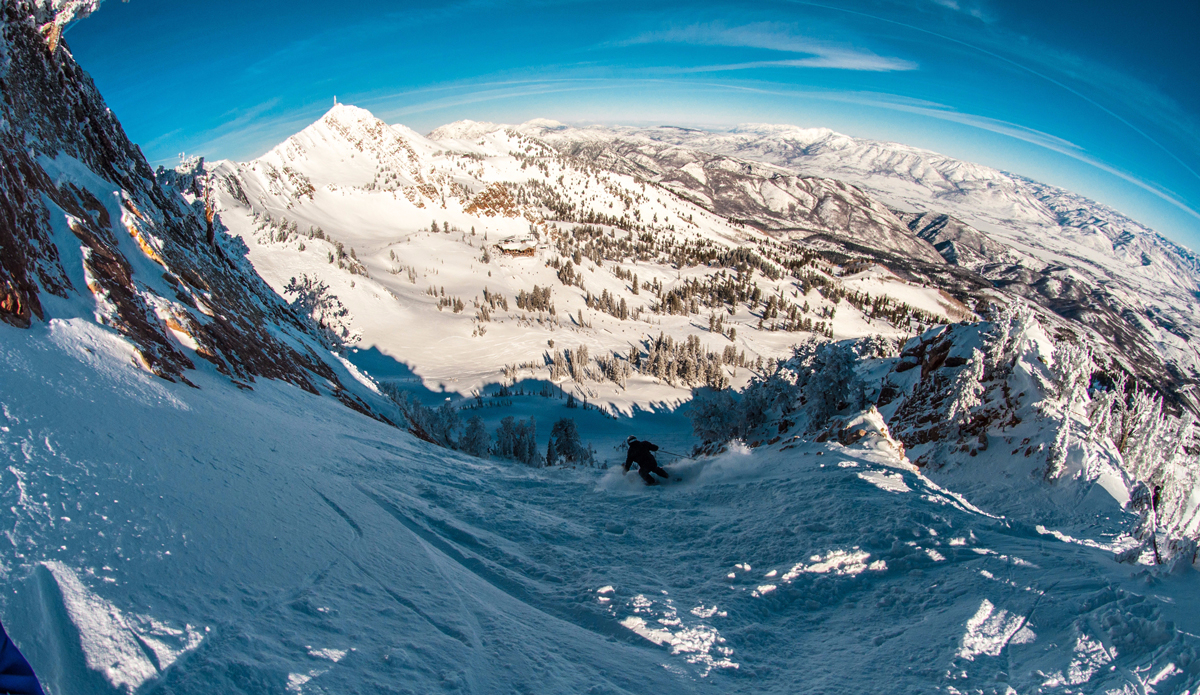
(642, 453)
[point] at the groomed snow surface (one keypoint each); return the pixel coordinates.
(174, 540)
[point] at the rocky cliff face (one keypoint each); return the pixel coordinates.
(87, 230)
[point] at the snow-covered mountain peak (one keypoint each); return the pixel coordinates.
(547, 123)
(789, 132)
(464, 130)
(362, 130)
(348, 113)
(346, 146)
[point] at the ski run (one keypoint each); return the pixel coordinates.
(350, 417)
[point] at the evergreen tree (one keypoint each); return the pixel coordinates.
(833, 383)
(565, 445)
(966, 390)
(714, 415)
(475, 440)
(525, 446)
(505, 438)
(516, 440)
(1072, 372)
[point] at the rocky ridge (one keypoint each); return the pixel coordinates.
(87, 230)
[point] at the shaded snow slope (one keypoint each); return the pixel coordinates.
(958, 243)
(273, 541)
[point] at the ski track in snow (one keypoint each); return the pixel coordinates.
(271, 541)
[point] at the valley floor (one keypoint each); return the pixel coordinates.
(173, 540)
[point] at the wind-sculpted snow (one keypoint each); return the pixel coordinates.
(218, 540)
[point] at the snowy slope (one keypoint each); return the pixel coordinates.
(1122, 288)
(165, 537)
(90, 233)
(200, 496)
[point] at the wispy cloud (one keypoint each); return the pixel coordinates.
(1069, 72)
(970, 7)
(772, 36)
(1012, 130)
(1052, 143)
(1147, 103)
(243, 134)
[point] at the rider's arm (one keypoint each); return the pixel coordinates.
(652, 447)
(628, 460)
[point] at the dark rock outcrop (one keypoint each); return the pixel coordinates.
(83, 216)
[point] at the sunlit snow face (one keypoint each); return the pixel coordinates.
(836, 562)
(990, 630)
(699, 644)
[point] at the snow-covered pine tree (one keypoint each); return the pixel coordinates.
(564, 444)
(1106, 411)
(833, 383)
(443, 422)
(313, 300)
(1141, 436)
(475, 440)
(966, 390)
(1012, 324)
(1072, 371)
(1056, 461)
(714, 415)
(1179, 483)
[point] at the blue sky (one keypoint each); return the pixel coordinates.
(1096, 97)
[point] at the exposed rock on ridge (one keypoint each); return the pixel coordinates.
(86, 231)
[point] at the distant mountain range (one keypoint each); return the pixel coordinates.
(968, 231)
(1083, 260)
(278, 426)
